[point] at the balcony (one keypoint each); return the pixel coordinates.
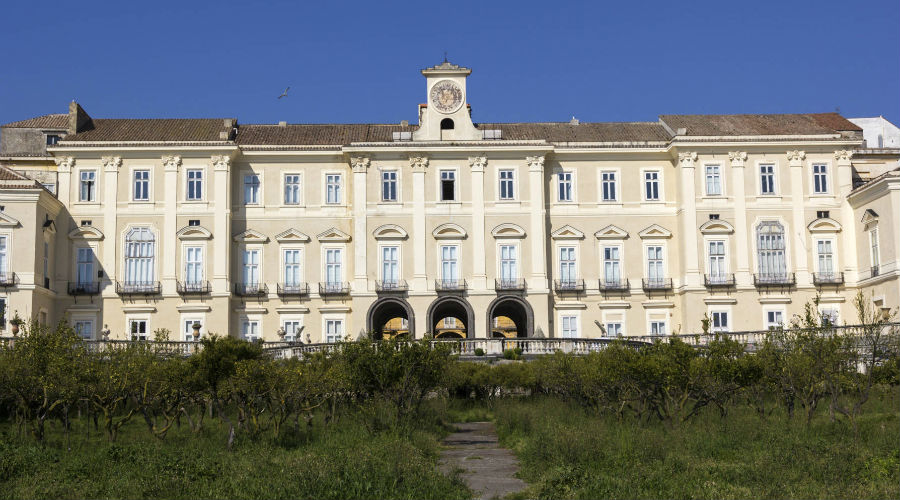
(327, 288)
(568, 286)
(8, 280)
(656, 284)
(719, 280)
(825, 279)
(391, 286)
(138, 288)
(251, 289)
(774, 280)
(614, 285)
(76, 288)
(450, 286)
(509, 285)
(293, 289)
(193, 287)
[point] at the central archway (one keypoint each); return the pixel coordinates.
(391, 317)
(451, 317)
(510, 314)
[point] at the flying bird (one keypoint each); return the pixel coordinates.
(284, 94)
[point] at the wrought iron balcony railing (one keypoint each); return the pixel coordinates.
(83, 288)
(569, 286)
(193, 287)
(450, 285)
(509, 284)
(614, 285)
(334, 288)
(656, 284)
(293, 289)
(719, 280)
(138, 288)
(831, 278)
(765, 280)
(251, 289)
(391, 286)
(8, 280)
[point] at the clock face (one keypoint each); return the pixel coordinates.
(446, 96)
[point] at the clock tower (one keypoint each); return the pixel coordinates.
(446, 115)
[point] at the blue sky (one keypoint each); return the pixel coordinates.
(532, 61)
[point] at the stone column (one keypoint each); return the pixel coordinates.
(742, 273)
(690, 241)
(419, 165)
(221, 258)
(360, 166)
(171, 164)
(843, 185)
(111, 165)
(538, 229)
(798, 232)
(479, 276)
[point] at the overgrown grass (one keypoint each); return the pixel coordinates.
(348, 459)
(568, 452)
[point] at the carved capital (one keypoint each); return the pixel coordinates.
(64, 163)
(687, 159)
(171, 162)
(418, 163)
(478, 163)
(843, 156)
(737, 158)
(360, 164)
(220, 162)
(795, 158)
(535, 163)
(111, 163)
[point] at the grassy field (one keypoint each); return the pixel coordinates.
(348, 460)
(567, 452)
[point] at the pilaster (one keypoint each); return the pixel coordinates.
(419, 164)
(478, 165)
(843, 186)
(798, 232)
(742, 270)
(171, 164)
(221, 166)
(360, 167)
(538, 229)
(111, 165)
(690, 242)
(64, 167)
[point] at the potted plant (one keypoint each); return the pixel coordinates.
(16, 321)
(196, 328)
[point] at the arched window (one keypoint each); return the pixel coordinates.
(770, 248)
(447, 124)
(139, 257)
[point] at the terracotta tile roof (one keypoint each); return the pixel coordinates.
(581, 132)
(57, 120)
(317, 134)
(749, 125)
(12, 179)
(152, 130)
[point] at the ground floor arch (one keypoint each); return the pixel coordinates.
(390, 317)
(451, 317)
(510, 316)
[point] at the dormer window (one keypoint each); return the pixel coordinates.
(52, 139)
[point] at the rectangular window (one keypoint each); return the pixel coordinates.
(567, 270)
(828, 316)
(614, 329)
(4, 257)
(774, 319)
(719, 321)
(389, 185)
(251, 267)
(448, 185)
(84, 267)
(333, 258)
(84, 329)
(564, 180)
(251, 189)
(390, 264)
(334, 330)
(49, 186)
(141, 185)
(450, 263)
(194, 185)
(507, 186)
(657, 328)
(771, 248)
(250, 330)
(138, 329)
(52, 139)
(291, 267)
(188, 328)
(655, 271)
(292, 189)
(651, 186)
(713, 180)
(608, 182)
(508, 264)
(333, 189)
(46, 265)
(612, 266)
(2, 313)
(88, 183)
(767, 179)
(825, 257)
(291, 330)
(876, 252)
(140, 257)
(820, 178)
(718, 267)
(193, 265)
(570, 327)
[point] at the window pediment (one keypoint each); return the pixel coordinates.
(291, 235)
(193, 233)
(611, 232)
(716, 227)
(567, 232)
(508, 230)
(870, 217)
(824, 225)
(655, 231)
(390, 232)
(449, 231)
(7, 220)
(333, 234)
(86, 233)
(251, 236)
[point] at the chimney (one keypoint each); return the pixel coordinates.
(404, 123)
(79, 120)
(282, 124)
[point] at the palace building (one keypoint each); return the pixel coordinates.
(450, 227)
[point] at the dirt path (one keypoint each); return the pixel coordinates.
(488, 469)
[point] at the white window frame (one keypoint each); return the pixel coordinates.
(329, 338)
(615, 184)
(571, 182)
(720, 176)
(574, 319)
(874, 248)
(342, 264)
(655, 321)
(817, 257)
(187, 183)
(785, 250)
(78, 321)
(516, 261)
(148, 330)
(664, 259)
(259, 266)
(259, 188)
(660, 193)
(514, 194)
(714, 315)
(621, 260)
(154, 261)
(246, 325)
(440, 186)
(440, 260)
(608, 325)
(395, 181)
(284, 187)
(92, 276)
(292, 318)
(339, 192)
(826, 174)
(134, 185)
(6, 261)
(724, 257)
(759, 177)
(188, 333)
(832, 312)
(282, 251)
(186, 263)
(780, 310)
(575, 273)
(96, 187)
(381, 249)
